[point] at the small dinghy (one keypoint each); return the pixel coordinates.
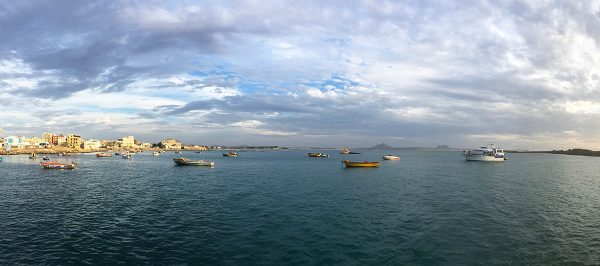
(318, 154)
(230, 154)
(350, 164)
(57, 165)
(391, 157)
(187, 162)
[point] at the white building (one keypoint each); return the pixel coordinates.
(15, 142)
(92, 144)
(146, 145)
(128, 142)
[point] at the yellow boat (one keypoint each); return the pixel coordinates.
(360, 164)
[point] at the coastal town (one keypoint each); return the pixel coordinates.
(51, 143)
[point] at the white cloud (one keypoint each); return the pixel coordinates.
(524, 72)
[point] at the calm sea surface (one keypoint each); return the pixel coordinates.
(282, 208)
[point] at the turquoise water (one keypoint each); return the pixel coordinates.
(280, 207)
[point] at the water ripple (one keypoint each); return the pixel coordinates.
(283, 208)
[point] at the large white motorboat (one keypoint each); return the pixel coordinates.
(488, 154)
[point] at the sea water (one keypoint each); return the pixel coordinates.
(281, 208)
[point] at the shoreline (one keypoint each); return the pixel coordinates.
(74, 150)
(576, 152)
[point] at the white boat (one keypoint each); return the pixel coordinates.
(488, 153)
(391, 157)
(126, 155)
(156, 153)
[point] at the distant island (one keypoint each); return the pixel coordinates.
(579, 152)
(384, 146)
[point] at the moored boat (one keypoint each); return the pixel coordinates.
(155, 153)
(230, 154)
(126, 155)
(488, 153)
(103, 154)
(318, 154)
(57, 165)
(390, 157)
(45, 158)
(365, 164)
(187, 162)
(347, 151)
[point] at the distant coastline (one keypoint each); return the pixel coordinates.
(578, 152)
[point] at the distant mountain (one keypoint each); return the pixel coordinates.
(382, 146)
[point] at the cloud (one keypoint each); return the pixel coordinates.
(305, 73)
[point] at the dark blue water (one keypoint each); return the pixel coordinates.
(284, 208)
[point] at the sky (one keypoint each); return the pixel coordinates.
(521, 74)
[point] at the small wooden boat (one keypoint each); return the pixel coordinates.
(126, 156)
(155, 153)
(349, 164)
(230, 154)
(57, 165)
(318, 154)
(391, 157)
(187, 162)
(45, 158)
(103, 154)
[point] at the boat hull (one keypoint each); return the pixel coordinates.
(58, 166)
(391, 158)
(482, 158)
(186, 162)
(350, 164)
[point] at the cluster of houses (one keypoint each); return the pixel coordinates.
(74, 141)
